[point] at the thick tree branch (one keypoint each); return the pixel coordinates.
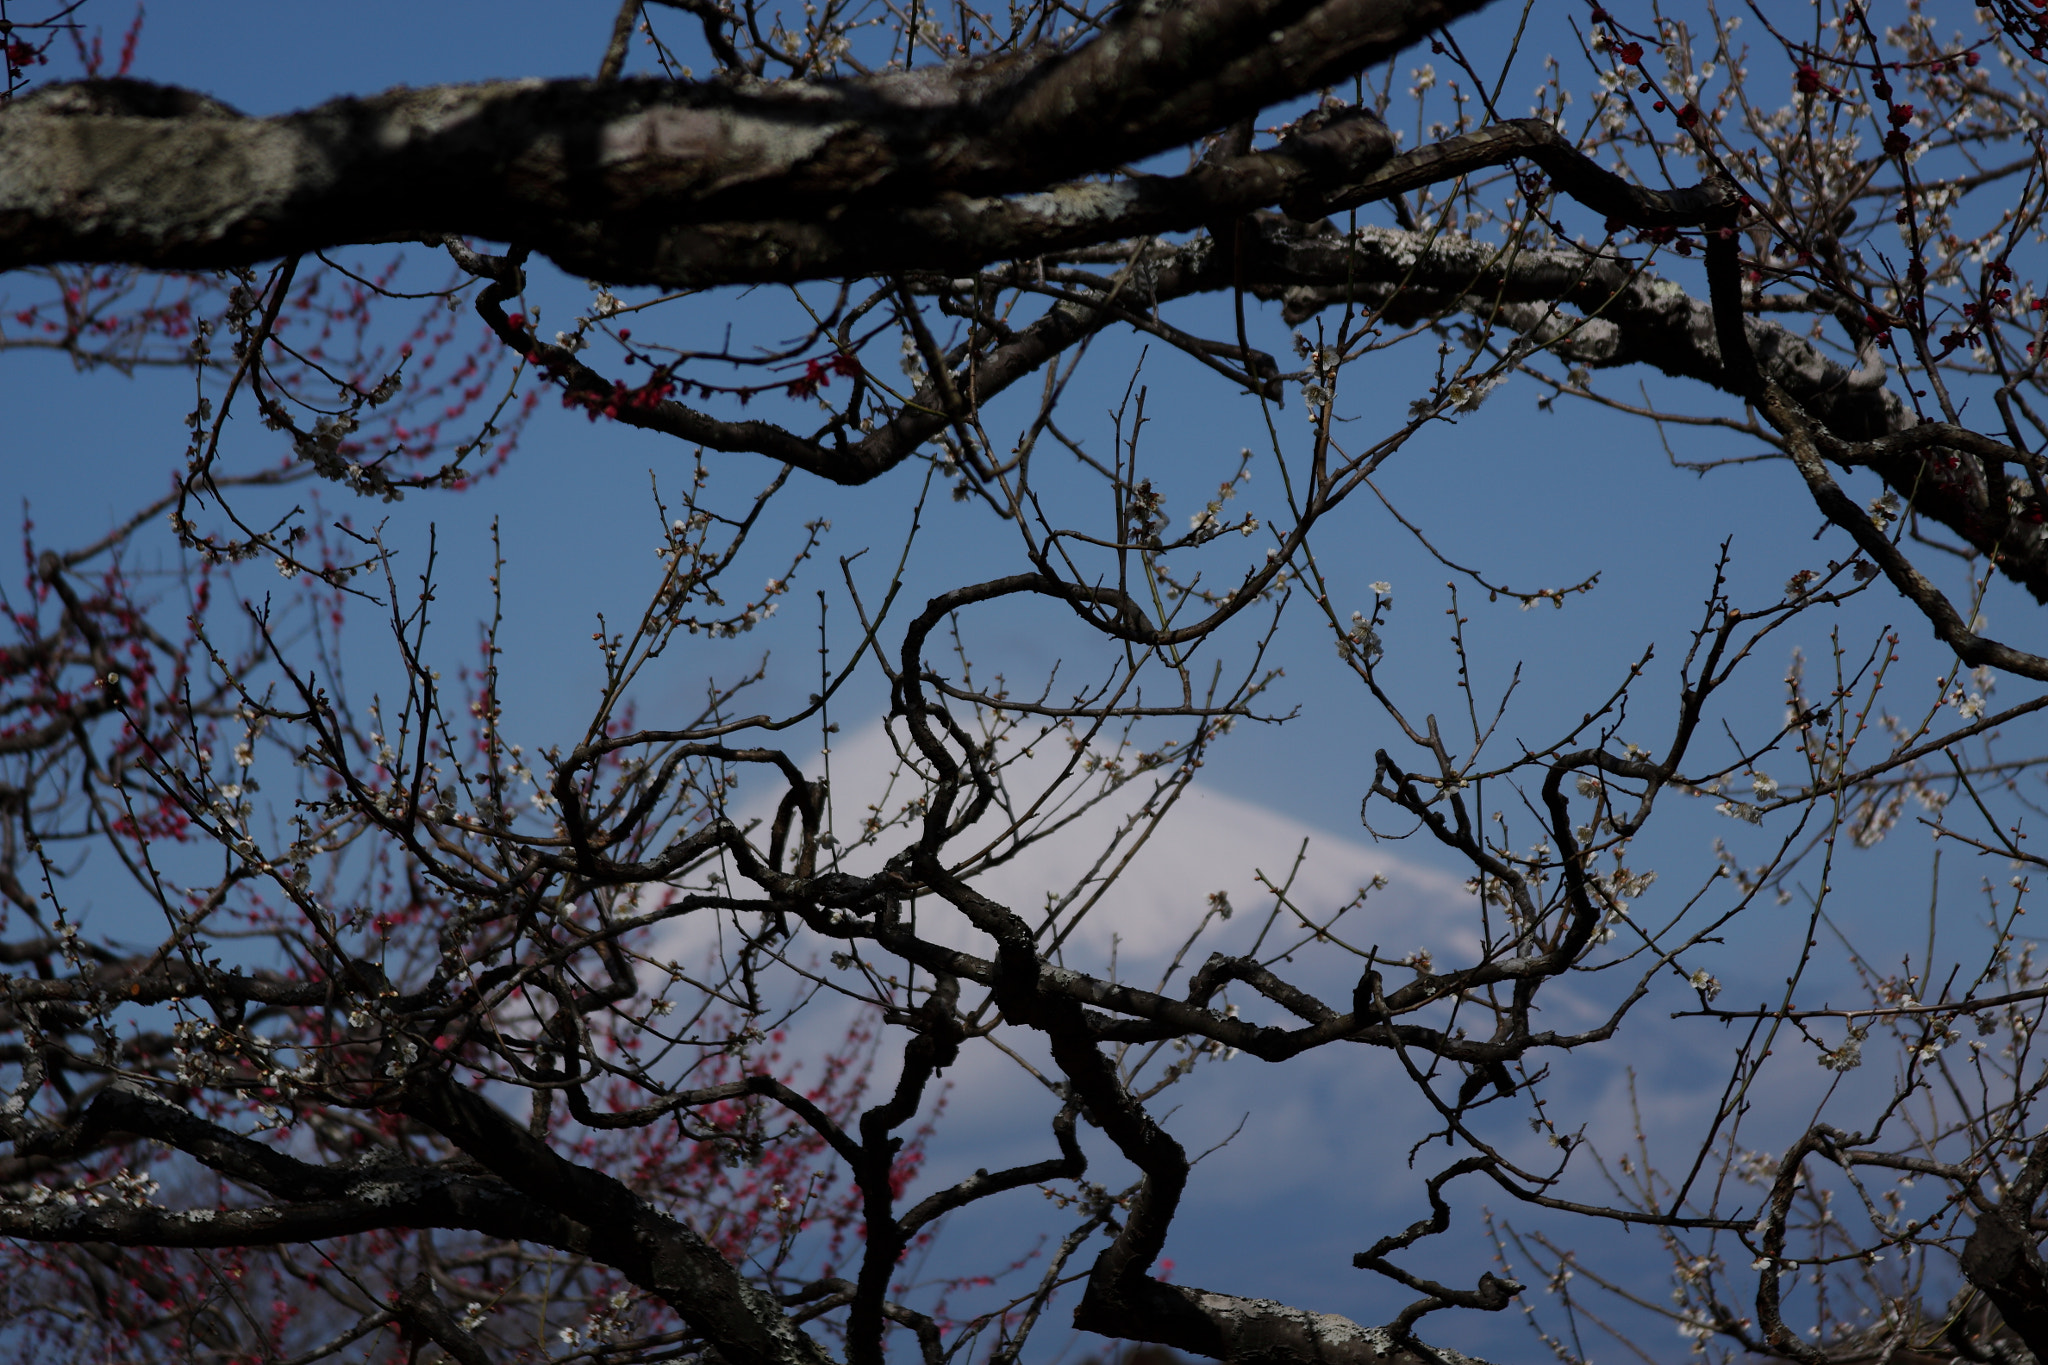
(653, 1250)
(1249, 1331)
(641, 181)
(377, 1196)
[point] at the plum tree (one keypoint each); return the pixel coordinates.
(435, 1035)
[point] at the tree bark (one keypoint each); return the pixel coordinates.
(688, 185)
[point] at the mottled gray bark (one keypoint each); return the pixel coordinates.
(723, 182)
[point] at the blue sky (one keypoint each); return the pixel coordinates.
(1536, 498)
